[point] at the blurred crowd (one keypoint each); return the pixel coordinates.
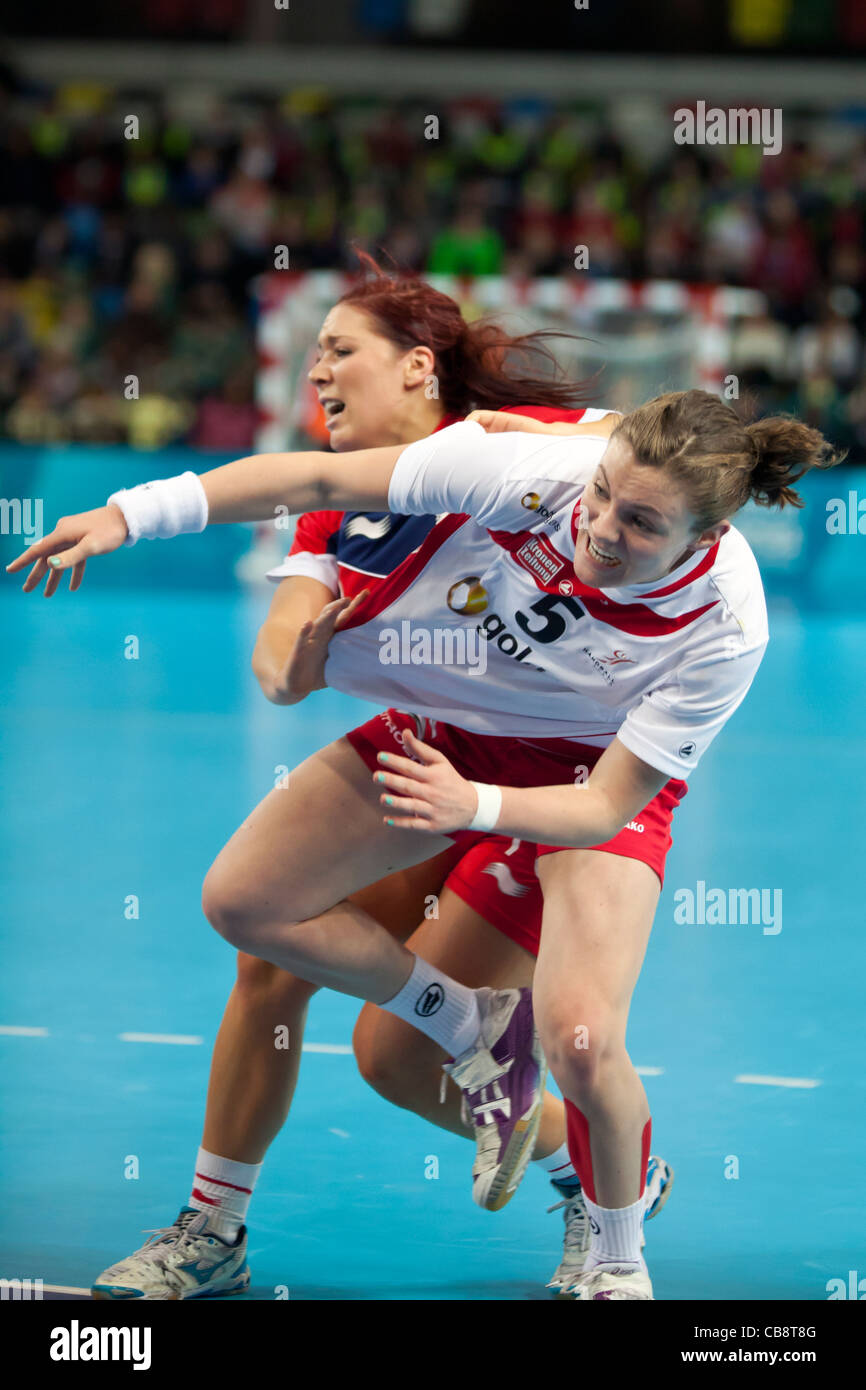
(127, 297)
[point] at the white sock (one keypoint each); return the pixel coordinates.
(439, 1006)
(223, 1189)
(615, 1234)
(559, 1165)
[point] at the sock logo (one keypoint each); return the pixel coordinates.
(431, 1001)
(594, 1226)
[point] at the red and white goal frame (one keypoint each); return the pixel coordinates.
(655, 335)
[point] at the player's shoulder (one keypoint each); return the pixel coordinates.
(558, 414)
(736, 579)
(567, 459)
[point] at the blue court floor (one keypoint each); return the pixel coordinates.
(126, 776)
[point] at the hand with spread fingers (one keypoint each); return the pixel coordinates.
(427, 795)
(69, 546)
(304, 670)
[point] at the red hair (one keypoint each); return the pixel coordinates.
(479, 366)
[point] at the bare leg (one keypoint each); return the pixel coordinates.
(598, 911)
(252, 1082)
(402, 1064)
(279, 889)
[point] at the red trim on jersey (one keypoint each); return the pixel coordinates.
(707, 563)
(395, 584)
(547, 414)
(635, 618)
(313, 531)
(354, 582)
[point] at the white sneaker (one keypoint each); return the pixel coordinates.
(185, 1260)
(613, 1281)
(575, 1246)
(660, 1177)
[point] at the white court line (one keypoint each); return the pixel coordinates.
(803, 1083)
(178, 1038)
(61, 1288)
(331, 1049)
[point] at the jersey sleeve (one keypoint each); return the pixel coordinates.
(313, 550)
(463, 469)
(673, 726)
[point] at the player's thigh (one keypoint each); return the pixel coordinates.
(461, 944)
(396, 902)
(311, 843)
(399, 901)
(597, 918)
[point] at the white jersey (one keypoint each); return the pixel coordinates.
(660, 665)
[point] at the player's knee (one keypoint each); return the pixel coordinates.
(231, 910)
(577, 1042)
(219, 906)
(260, 978)
(387, 1059)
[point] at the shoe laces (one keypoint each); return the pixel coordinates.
(576, 1223)
(181, 1236)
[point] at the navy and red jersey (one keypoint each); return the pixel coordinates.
(351, 551)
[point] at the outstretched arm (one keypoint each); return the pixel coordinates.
(250, 489)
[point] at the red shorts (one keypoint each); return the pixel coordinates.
(496, 875)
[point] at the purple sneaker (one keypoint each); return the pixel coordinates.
(502, 1078)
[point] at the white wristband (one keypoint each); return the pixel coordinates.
(162, 509)
(489, 806)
